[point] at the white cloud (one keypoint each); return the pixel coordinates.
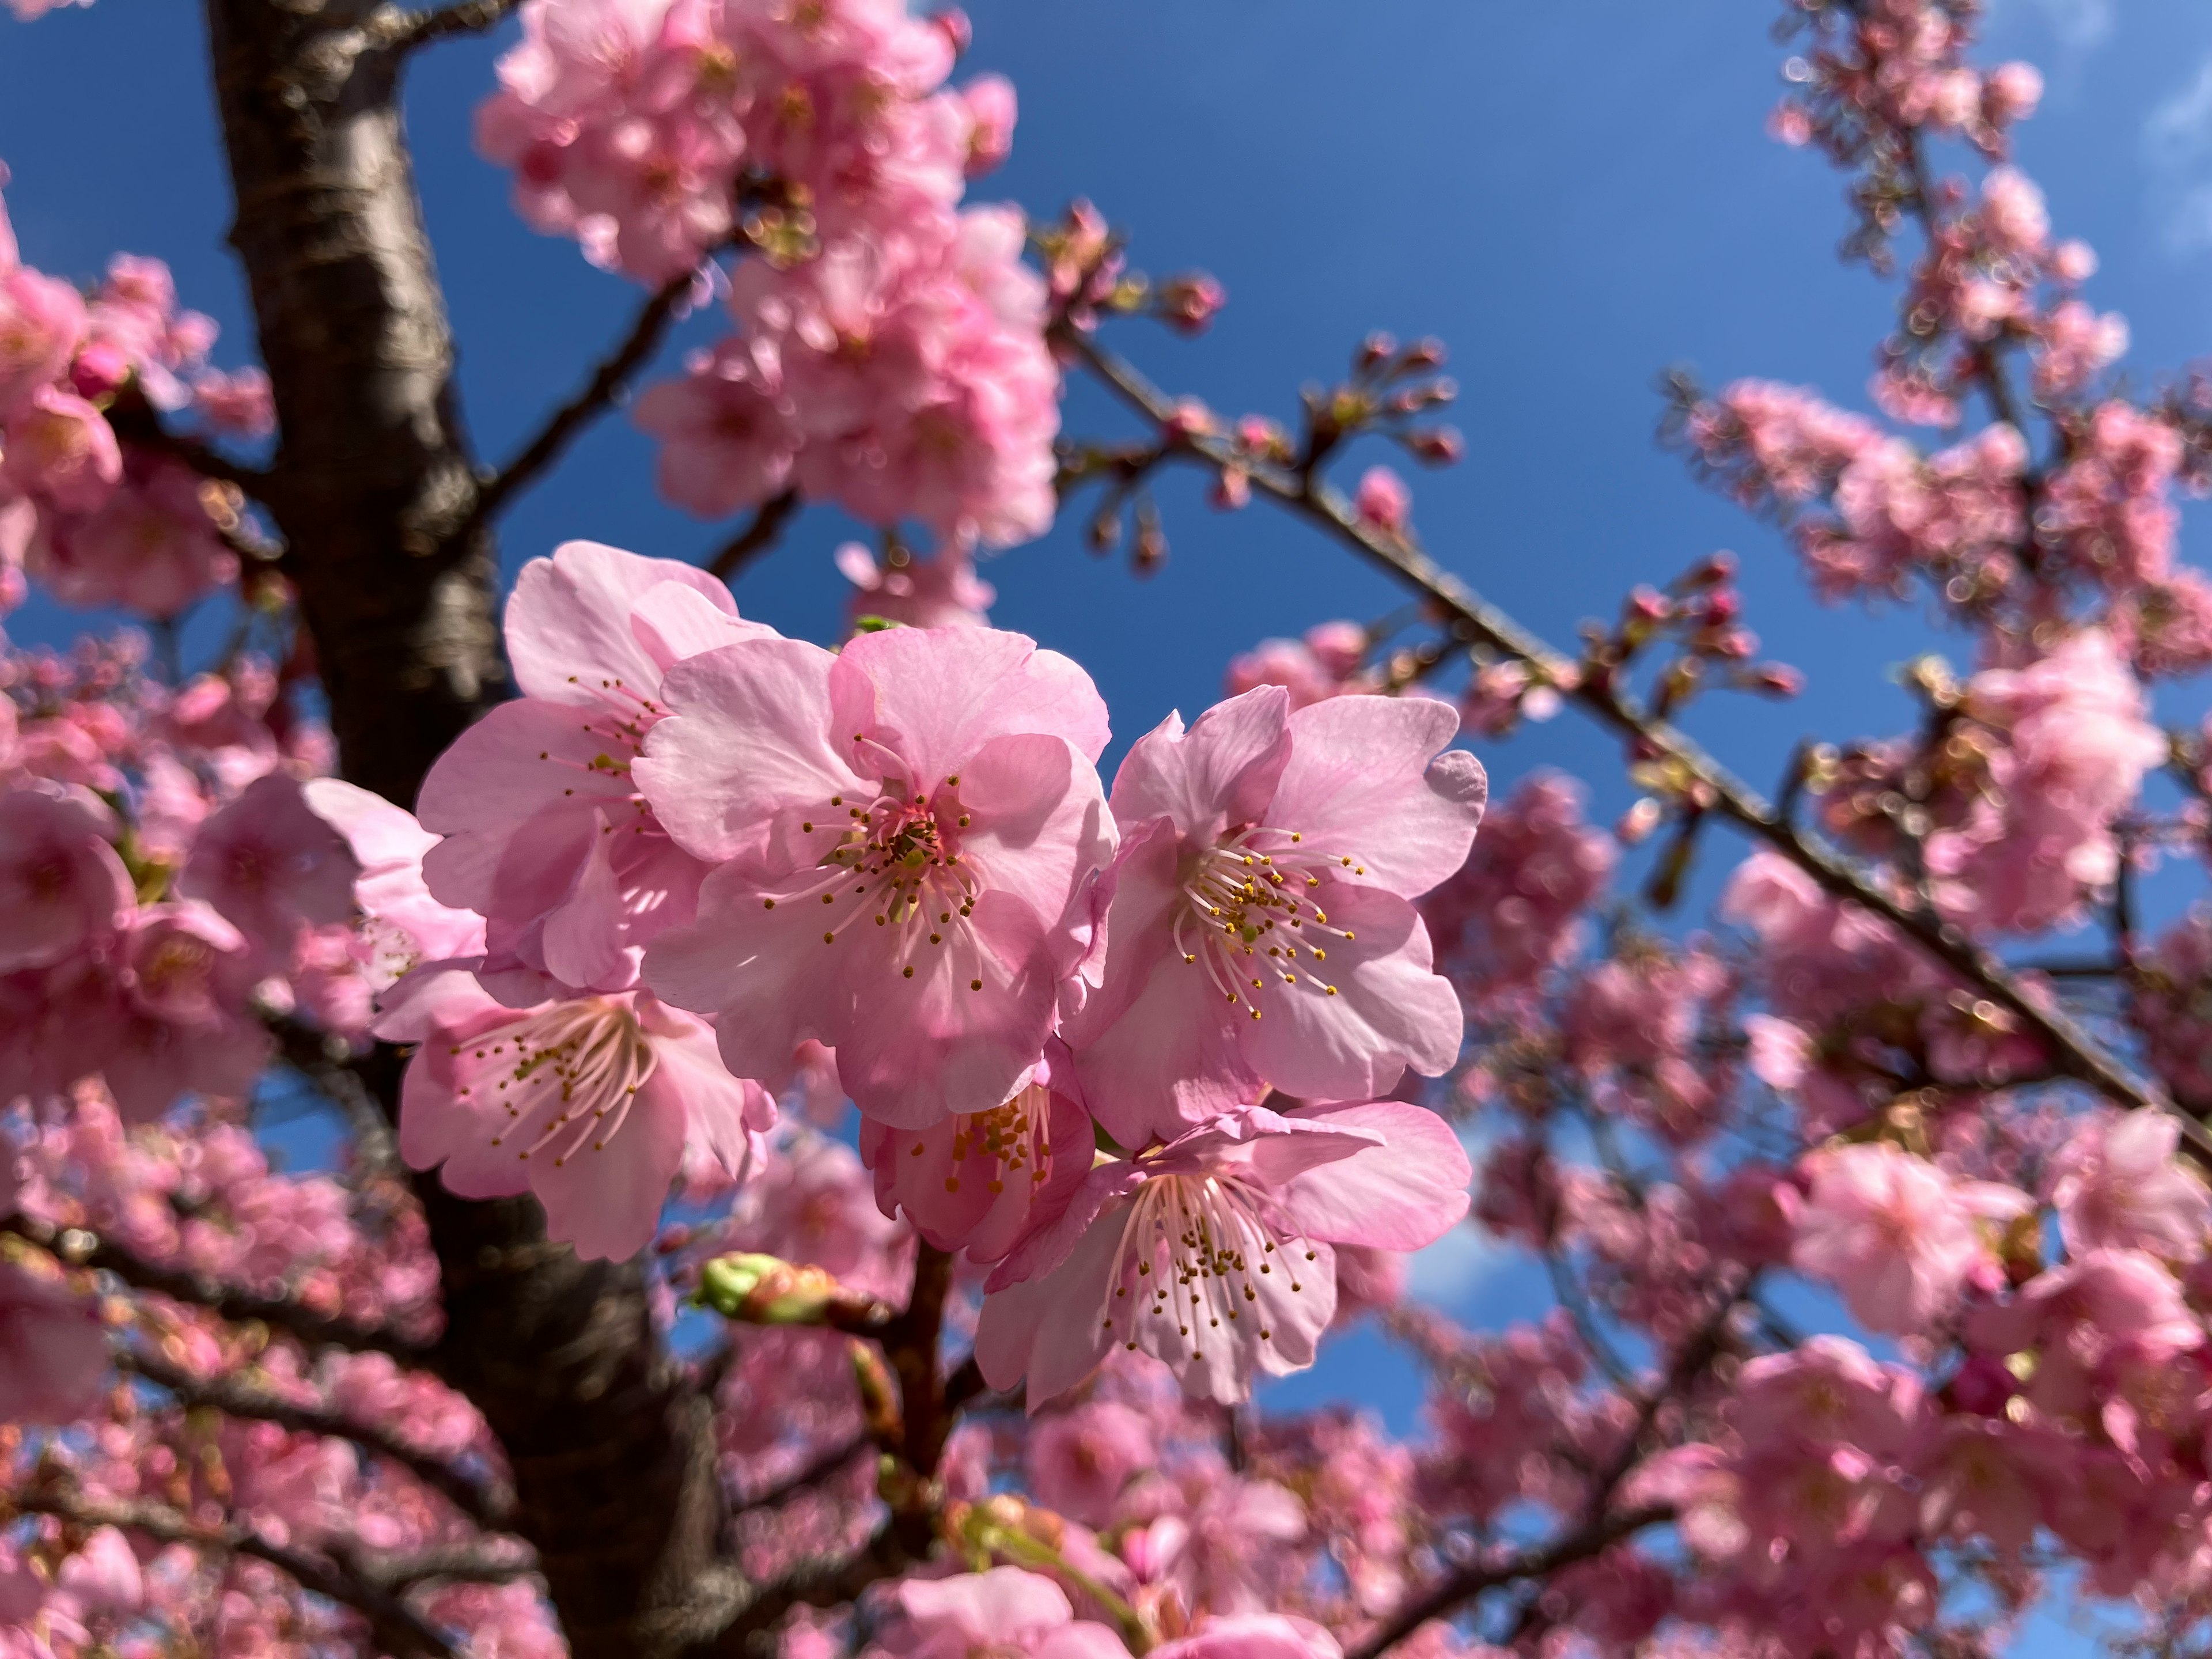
(2176, 142)
(2079, 25)
(1451, 1270)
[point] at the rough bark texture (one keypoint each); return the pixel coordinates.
(609, 1442)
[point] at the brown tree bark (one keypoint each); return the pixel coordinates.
(609, 1441)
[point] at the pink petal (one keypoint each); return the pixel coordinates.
(1221, 773)
(1400, 1195)
(1366, 778)
(568, 621)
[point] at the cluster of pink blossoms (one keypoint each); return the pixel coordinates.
(692, 837)
(99, 518)
(890, 353)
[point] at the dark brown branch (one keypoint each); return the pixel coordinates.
(395, 1625)
(392, 30)
(732, 1615)
(136, 423)
(486, 1503)
(80, 1248)
(472, 1563)
(608, 381)
(817, 1470)
(2077, 1052)
(1453, 1592)
(756, 538)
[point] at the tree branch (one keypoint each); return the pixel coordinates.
(816, 1471)
(755, 537)
(135, 422)
(395, 1625)
(392, 30)
(608, 381)
(1475, 621)
(80, 1248)
(1451, 1593)
(486, 1503)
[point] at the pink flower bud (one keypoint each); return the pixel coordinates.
(953, 24)
(1437, 446)
(991, 110)
(2011, 94)
(1383, 501)
(1190, 302)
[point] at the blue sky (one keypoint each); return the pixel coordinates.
(1575, 195)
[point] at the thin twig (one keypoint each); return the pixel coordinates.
(756, 538)
(135, 422)
(395, 1624)
(817, 1470)
(2078, 1055)
(81, 1249)
(607, 382)
(1457, 1589)
(486, 1503)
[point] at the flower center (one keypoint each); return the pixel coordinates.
(1248, 917)
(1191, 1252)
(566, 1075)
(898, 860)
(1003, 1143)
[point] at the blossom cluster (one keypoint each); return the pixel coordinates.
(693, 845)
(890, 353)
(100, 517)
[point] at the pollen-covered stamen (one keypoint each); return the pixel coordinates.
(1009, 1145)
(566, 1075)
(897, 861)
(1192, 1252)
(1248, 916)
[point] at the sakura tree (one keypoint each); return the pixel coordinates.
(601, 914)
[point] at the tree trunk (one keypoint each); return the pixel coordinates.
(609, 1442)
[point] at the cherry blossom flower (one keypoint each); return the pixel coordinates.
(1898, 1238)
(590, 1104)
(999, 1608)
(61, 886)
(1258, 909)
(546, 836)
(1234, 1218)
(905, 834)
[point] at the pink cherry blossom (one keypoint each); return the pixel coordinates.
(41, 320)
(1900, 1239)
(999, 1608)
(1383, 501)
(1255, 1636)
(272, 867)
(403, 925)
(590, 1104)
(2117, 1185)
(53, 1353)
(973, 1181)
(1079, 1460)
(61, 450)
(61, 886)
(1237, 1216)
(905, 834)
(942, 591)
(727, 430)
(149, 544)
(1259, 914)
(546, 834)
